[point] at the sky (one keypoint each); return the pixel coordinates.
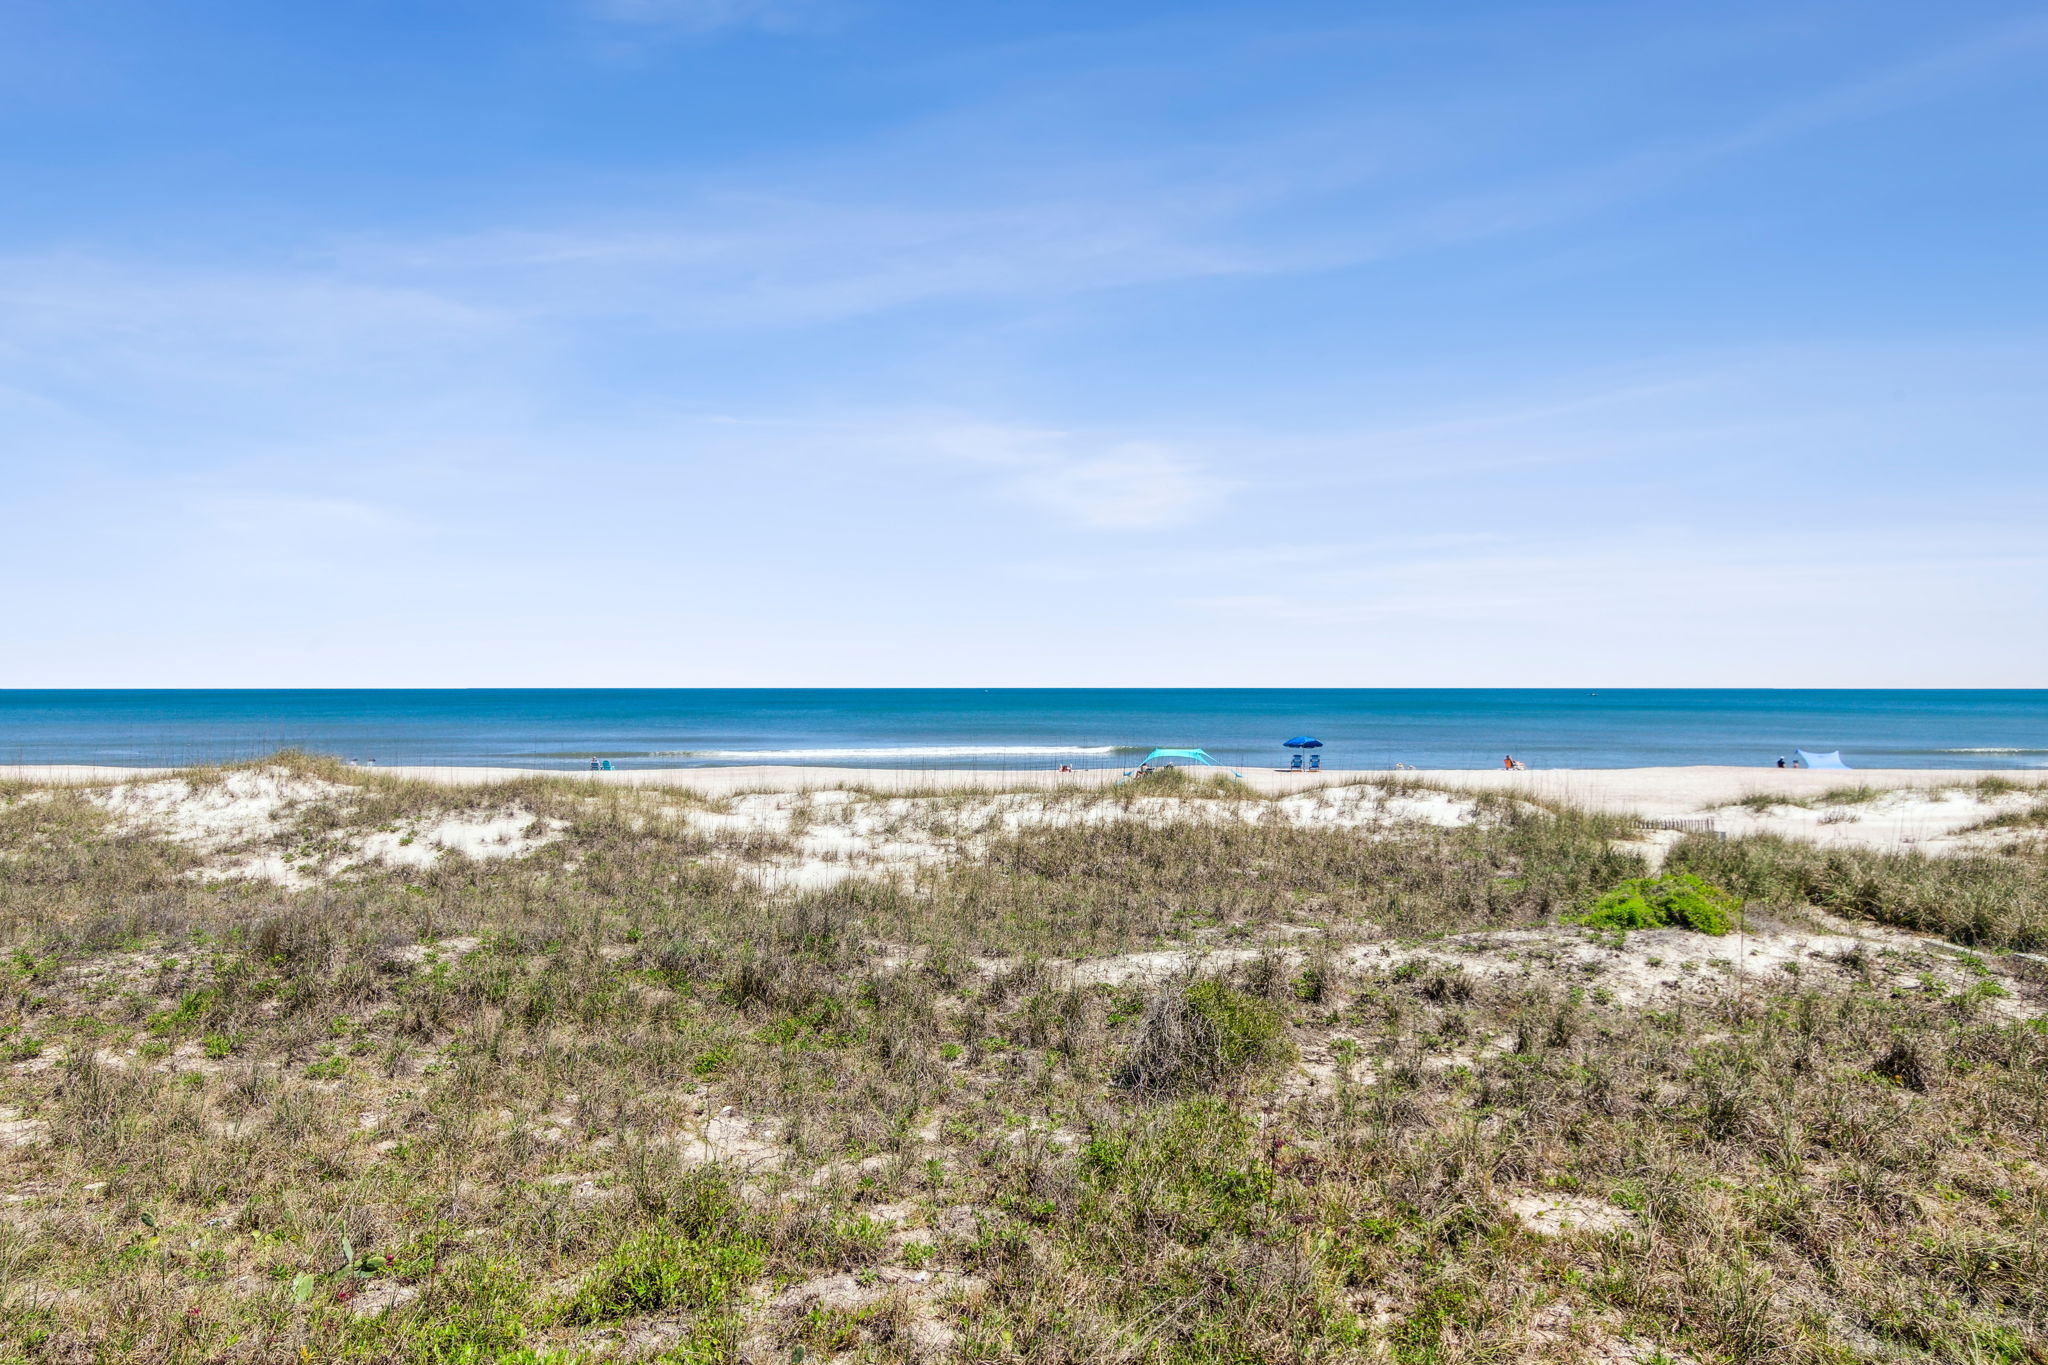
(850, 342)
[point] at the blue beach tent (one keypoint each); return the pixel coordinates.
(1192, 755)
(1827, 760)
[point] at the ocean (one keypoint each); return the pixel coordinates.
(1024, 728)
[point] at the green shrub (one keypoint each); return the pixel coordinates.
(1202, 1033)
(1248, 1030)
(1677, 900)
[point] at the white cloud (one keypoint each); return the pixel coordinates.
(786, 260)
(1128, 487)
(103, 334)
(1112, 485)
(924, 215)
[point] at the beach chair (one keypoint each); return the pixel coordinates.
(1295, 766)
(1315, 762)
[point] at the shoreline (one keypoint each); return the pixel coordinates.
(1651, 791)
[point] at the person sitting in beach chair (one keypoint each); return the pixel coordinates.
(1295, 766)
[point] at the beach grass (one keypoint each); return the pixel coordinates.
(615, 1099)
(1997, 900)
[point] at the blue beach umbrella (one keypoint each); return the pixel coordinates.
(1303, 742)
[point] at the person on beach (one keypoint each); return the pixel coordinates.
(1781, 762)
(1507, 760)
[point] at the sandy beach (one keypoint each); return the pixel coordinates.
(1639, 791)
(1934, 810)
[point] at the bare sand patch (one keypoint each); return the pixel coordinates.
(838, 835)
(482, 835)
(246, 819)
(16, 1131)
(1556, 1215)
(236, 808)
(1928, 821)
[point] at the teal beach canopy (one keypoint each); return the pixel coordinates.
(1827, 760)
(1192, 755)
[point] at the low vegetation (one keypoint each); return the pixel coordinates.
(1676, 900)
(1997, 900)
(1162, 1089)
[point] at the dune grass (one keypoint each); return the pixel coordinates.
(1997, 900)
(478, 1111)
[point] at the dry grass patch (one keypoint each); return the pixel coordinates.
(609, 1099)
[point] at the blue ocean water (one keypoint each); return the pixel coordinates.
(1012, 728)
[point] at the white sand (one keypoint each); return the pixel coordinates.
(1554, 1215)
(243, 819)
(251, 804)
(1640, 791)
(838, 835)
(1930, 822)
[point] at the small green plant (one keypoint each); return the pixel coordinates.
(654, 1273)
(1677, 900)
(1313, 985)
(16, 1046)
(190, 1009)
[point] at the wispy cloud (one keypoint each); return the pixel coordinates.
(1311, 189)
(1042, 320)
(108, 330)
(1128, 487)
(729, 260)
(1113, 485)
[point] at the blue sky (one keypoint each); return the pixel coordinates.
(731, 342)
